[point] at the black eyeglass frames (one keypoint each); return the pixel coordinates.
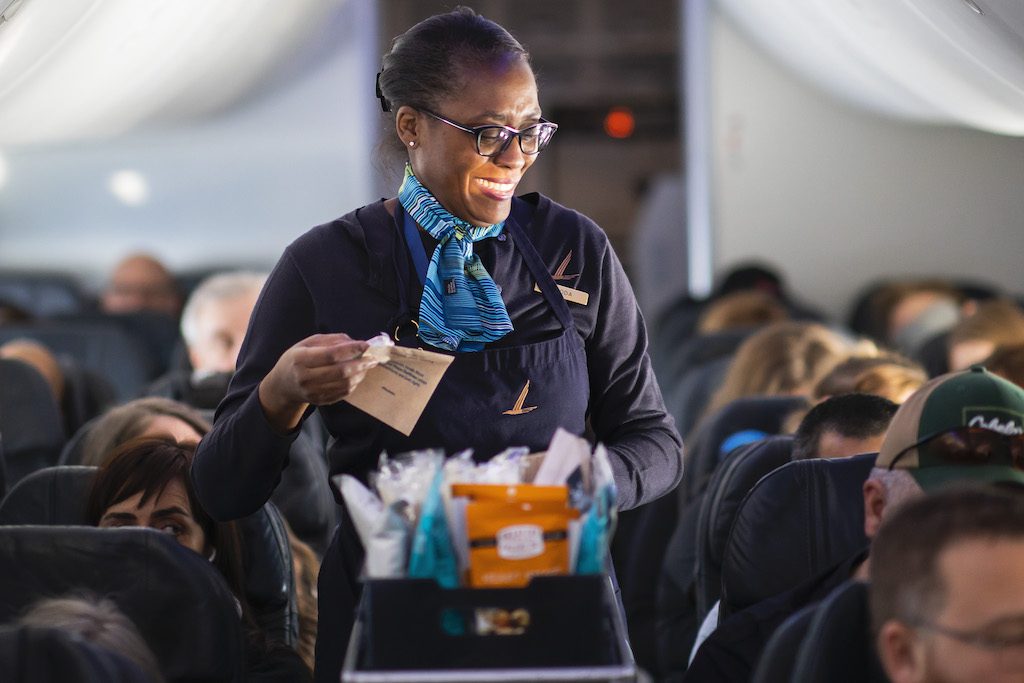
(492, 140)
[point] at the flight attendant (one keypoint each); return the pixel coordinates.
(455, 263)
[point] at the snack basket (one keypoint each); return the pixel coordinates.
(557, 628)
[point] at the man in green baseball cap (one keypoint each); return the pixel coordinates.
(964, 426)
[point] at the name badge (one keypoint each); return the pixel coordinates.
(575, 296)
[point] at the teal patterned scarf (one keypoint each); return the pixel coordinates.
(461, 308)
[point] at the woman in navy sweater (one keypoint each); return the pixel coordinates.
(458, 264)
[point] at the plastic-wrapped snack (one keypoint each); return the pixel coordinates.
(406, 479)
(432, 555)
(598, 523)
(382, 529)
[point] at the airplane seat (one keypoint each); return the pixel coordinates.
(177, 599)
(157, 333)
(778, 659)
(30, 422)
(52, 496)
(720, 503)
(49, 655)
(43, 295)
(56, 496)
(765, 414)
(698, 350)
(838, 647)
(687, 398)
(102, 346)
(797, 522)
(87, 394)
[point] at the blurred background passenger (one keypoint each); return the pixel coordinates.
(1008, 363)
(39, 357)
(995, 323)
(144, 417)
(213, 325)
(907, 313)
(97, 621)
(752, 308)
(842, 426)
(947, 589)
(140, 282)
(783, 359)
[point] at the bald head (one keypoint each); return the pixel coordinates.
(141, 283)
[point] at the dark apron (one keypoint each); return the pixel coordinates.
(490, 399)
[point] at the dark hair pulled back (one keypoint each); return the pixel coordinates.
(422, 67)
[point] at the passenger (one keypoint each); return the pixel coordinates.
(39, 357)
(785, 358)
(913, 311)
(952, 430)
(844, 425)
(947, 590)
(97, 621)
(145, 482)
(1008, 363)
(996, 323)
(143, 417)
(305, 564)
(213, 326)
(893, 381)
(741, 309)
(141, 283)
(467, 116)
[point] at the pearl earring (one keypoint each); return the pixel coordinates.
(412, 143)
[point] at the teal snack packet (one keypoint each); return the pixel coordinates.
(432, 555)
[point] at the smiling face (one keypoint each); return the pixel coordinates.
(475, 188)
(169, 511)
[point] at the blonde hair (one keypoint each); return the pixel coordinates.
(783, 358)
(890, 380)
(741, 309)
(1008, 363)
(97, 621)
(306, 566)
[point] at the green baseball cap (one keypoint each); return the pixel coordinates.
(972, 398)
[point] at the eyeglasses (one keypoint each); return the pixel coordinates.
(1005, 638)
(493, 140)
(971, 446)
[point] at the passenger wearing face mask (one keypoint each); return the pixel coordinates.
(145, 483)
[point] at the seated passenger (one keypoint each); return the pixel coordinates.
(39, 357)
(1008, 363)
(844, 425)
(750, 308)
(144, 417)
(947, 432)
(146, 483)
(141, 283)
(97, 621)
(213, 325)
(947, 589)
(995, 323)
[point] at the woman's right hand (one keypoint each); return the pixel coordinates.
(319, 370)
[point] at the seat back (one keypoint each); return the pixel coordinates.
(52, 496)
(838, 647)
(700, 349)
(47, 655)
(30, 421)
(102, 346)
(760, 413)
(777, 661)
(179, 602)
(42, 294)
(797, 522)
(57, 496)
(688, 398)
(728, 487)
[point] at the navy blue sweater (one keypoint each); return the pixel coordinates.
(343, 277)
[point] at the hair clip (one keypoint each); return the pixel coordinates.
(384, 104)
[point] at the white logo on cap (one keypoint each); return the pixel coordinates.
(1009, 428)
